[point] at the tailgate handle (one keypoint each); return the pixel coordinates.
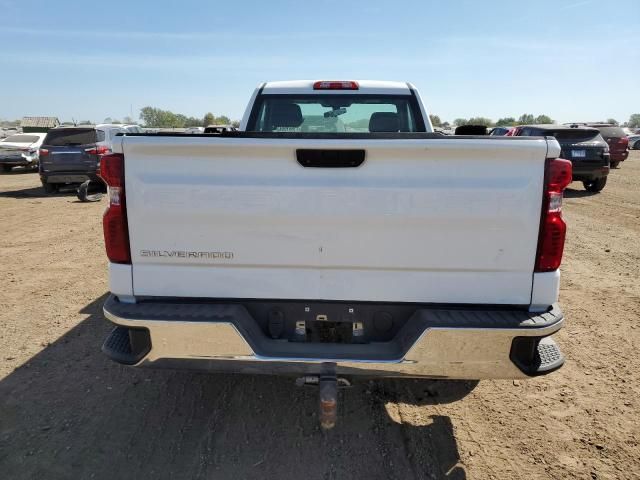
(323, 158)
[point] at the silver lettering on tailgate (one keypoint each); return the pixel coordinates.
(187, 254)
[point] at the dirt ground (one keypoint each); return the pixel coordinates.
(68, 412)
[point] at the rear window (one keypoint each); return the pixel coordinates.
(575, 135)
(21, 139)
(567, 135)
(608, 132)
(76, 136)
(328, 113)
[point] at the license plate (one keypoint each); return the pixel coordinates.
(578, 153)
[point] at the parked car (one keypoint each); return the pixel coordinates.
(499, 131)
(583, 146)
(71, 155)
(133, 128)
(471, 130)
(634, 142)
(110, 132)
(390, 252)
(219, 128)
(20, 150)
(615, 137)
(194, 130)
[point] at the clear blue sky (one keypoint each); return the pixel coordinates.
(570, 59)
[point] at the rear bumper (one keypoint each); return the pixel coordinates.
(581, 173)
(435, 342)
(17, 160)
(68, 177)
(619, 156)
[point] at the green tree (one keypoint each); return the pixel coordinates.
(128, 120)
(209, 119)
(460, 121)
(435, 120)
(107, 120)
(506, 122)
(612, 121)
(155, 117)
(193, 122)
(526, 119)
(223, 120)
(235, 123)
(543, 119)
(487, 122)
(634, 120)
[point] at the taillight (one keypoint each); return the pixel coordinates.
(101, 150)
(114, 222)
(553, 230)
(43, 152)
(336, 85)
(624, 141)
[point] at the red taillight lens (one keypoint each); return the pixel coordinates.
(101, 150)
(114, 222)
(558, 175)
(552, 227)
(624, 141)
(43, 152)
(336, 85)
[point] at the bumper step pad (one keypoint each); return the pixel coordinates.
(548, 356)
(126, 345)
(536, 356)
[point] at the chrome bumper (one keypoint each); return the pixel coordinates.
(462, 344)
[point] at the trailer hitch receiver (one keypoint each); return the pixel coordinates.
(328, 383)
(328, 401)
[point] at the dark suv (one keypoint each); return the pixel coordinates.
(583, 146)
(70, 155)
(615, 137)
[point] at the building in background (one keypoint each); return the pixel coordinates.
(38, 124)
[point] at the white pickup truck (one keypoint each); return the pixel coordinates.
(336, 234)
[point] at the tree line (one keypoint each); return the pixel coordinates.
(524, 119)
(156, 117)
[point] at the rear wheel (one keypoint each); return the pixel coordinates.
(614, 164)
(6, 168)
(49, 188)
(595, 185)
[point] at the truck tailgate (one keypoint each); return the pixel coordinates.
(447, 220)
